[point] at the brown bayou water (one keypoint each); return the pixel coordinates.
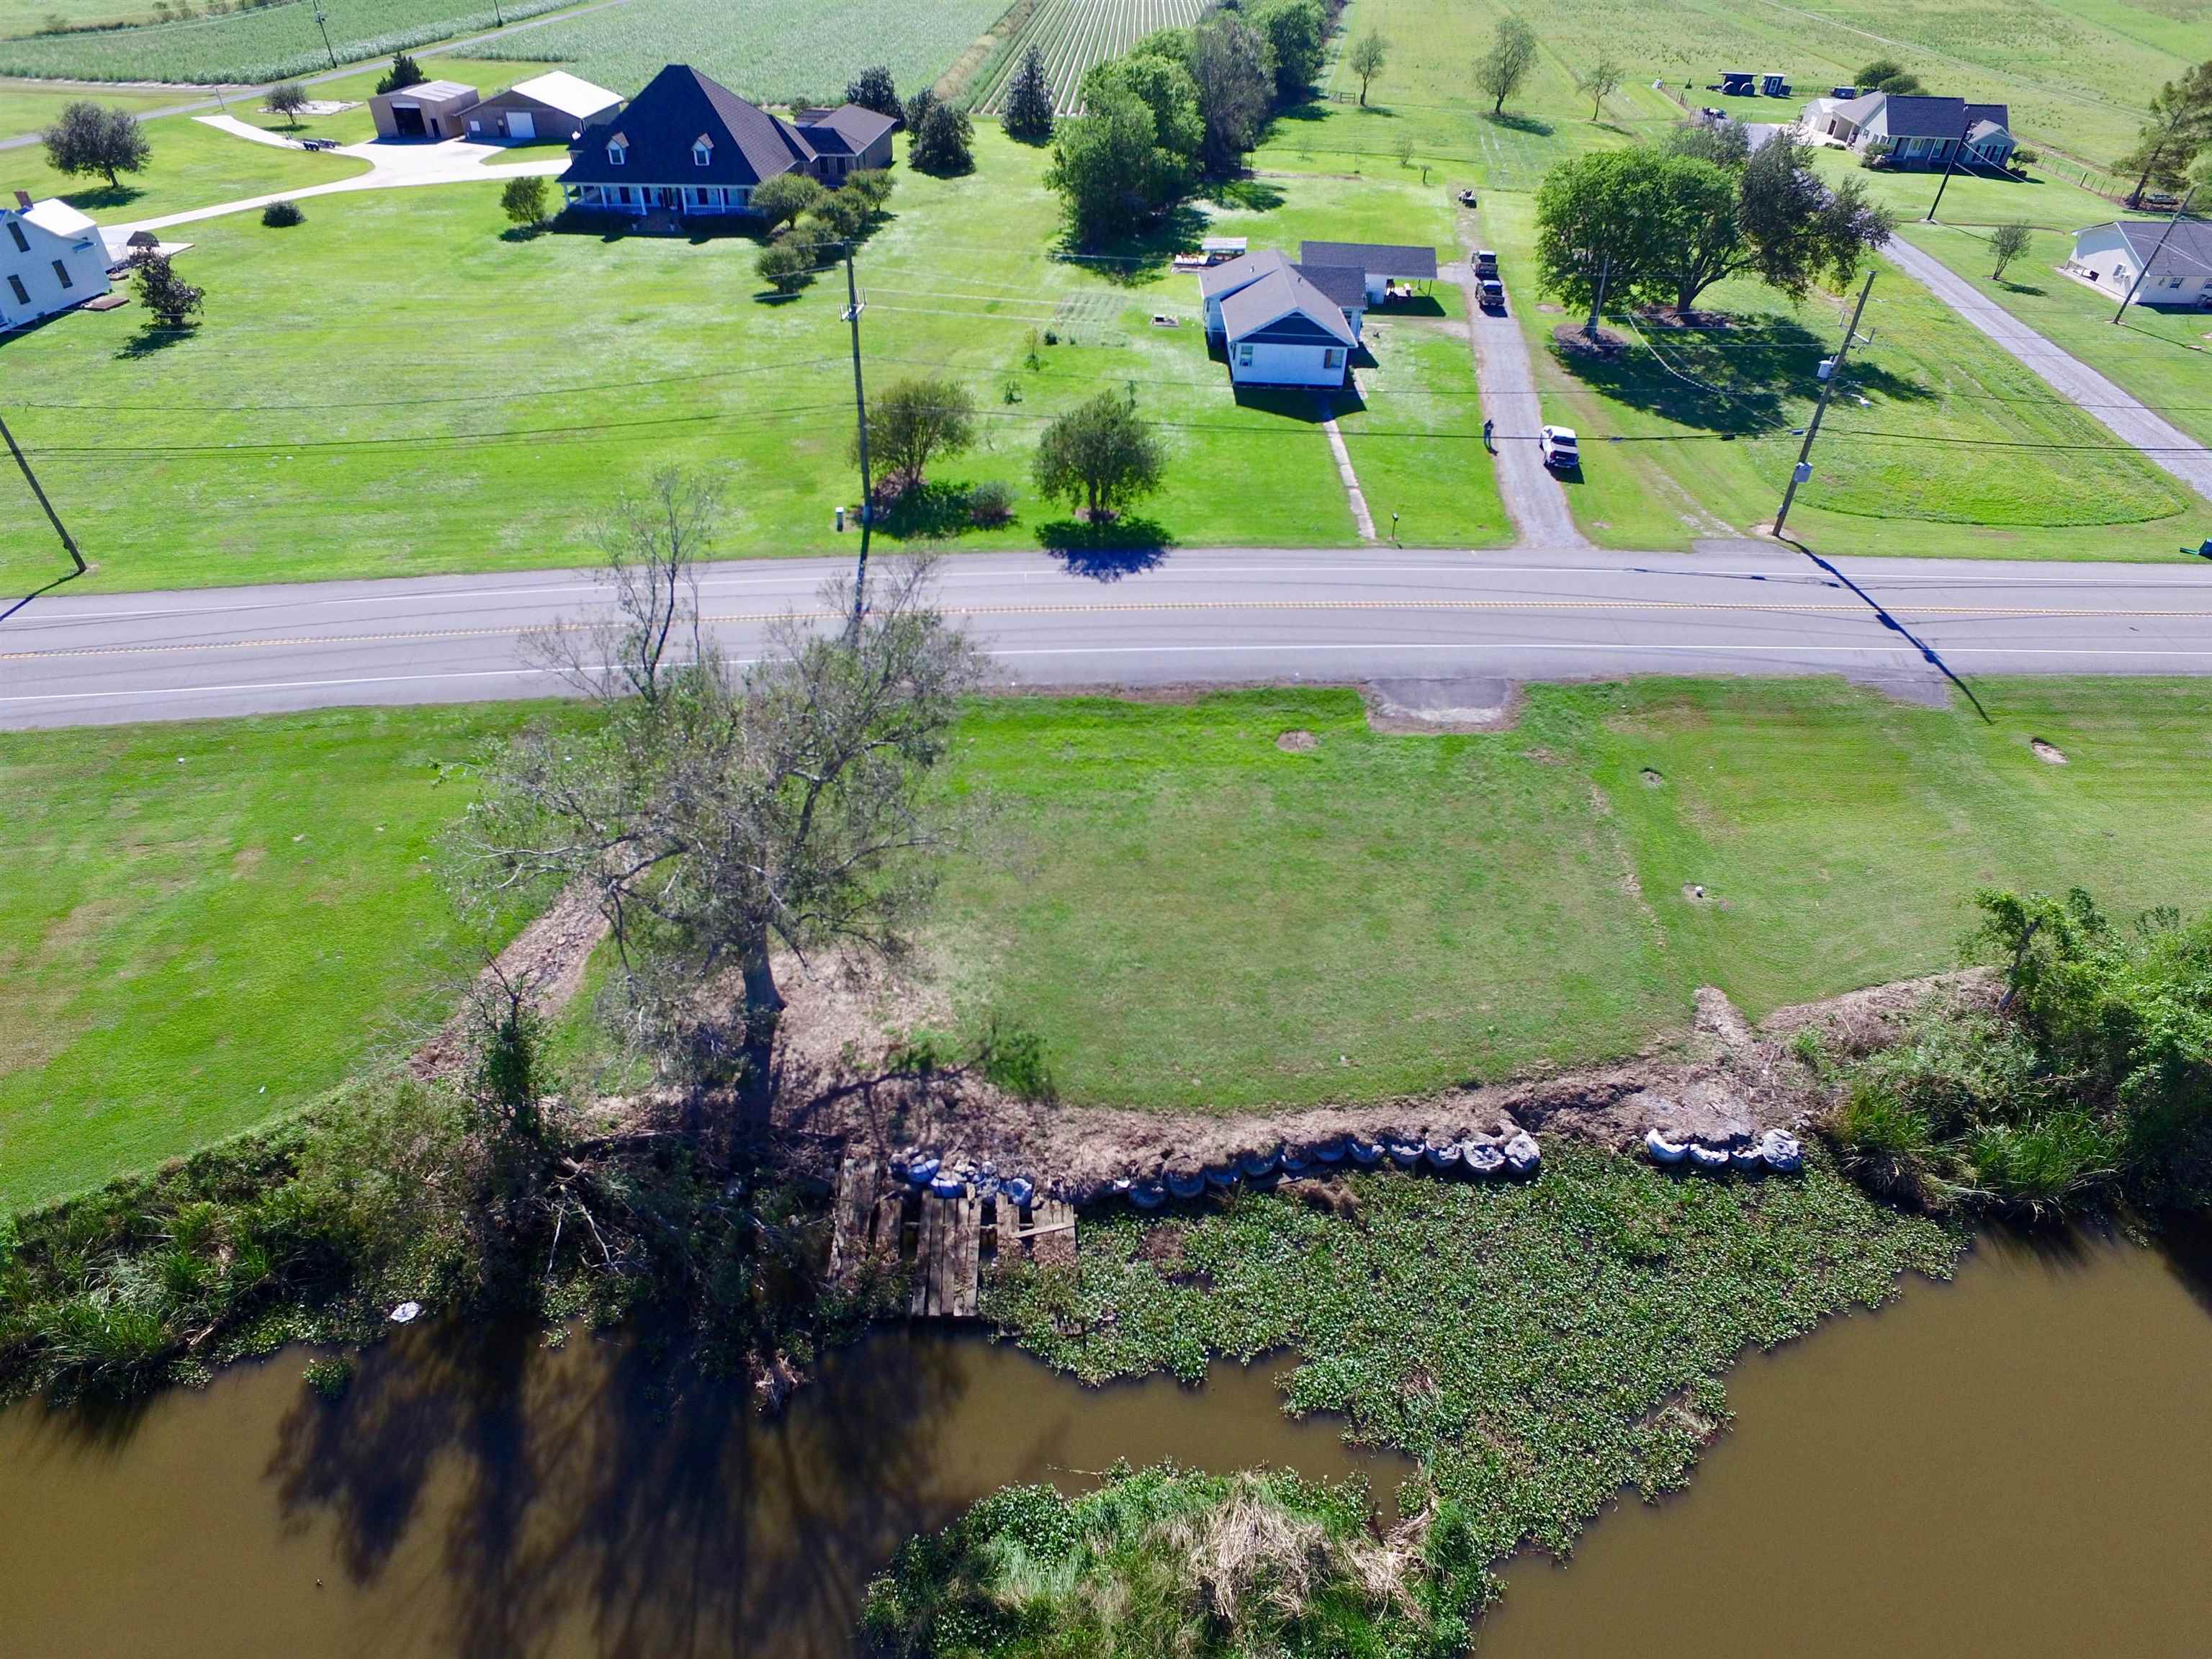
(2013, 1464)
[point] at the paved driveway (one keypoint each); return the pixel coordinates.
(2159, 439)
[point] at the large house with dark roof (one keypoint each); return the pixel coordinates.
(1915, 131)
(687, 146)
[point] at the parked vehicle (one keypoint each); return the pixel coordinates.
(318, 143)
(1485, 262)
(1557, 445)
(1493, 293)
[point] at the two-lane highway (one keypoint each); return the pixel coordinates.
(1195, 618)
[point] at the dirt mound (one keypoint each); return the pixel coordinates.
(1724, 1080)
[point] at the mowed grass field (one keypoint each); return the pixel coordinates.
(193, 165)
(325, 420)
(253, 44)
(2075, 73)
(27, 107)
(1187, 914)
(205, 925)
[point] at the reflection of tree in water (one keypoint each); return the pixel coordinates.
(593, 1484)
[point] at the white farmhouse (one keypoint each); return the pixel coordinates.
(1284, 331)
(2174, 262)
(51, 257)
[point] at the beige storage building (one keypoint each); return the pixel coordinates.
(430, 109)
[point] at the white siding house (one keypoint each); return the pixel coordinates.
(2177, 275)
(51, 257)
(1283, 331)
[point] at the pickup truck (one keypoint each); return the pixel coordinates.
(1493, 293)
(1485, 262)
(1557, 445)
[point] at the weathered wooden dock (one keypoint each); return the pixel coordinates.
(946, 1241)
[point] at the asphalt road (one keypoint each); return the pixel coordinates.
(1437, 631)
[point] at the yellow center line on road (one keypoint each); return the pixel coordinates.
(1779, 608)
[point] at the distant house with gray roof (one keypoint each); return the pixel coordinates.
(1915, 131)
(2174, 266)
(689, 146)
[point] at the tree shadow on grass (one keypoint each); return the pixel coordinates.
(1245, 195)
(1126, 546)
(152, 339)
(1733, 379)
(1132, 260)
(2020, 287)
(101, 199)
(1513, 121)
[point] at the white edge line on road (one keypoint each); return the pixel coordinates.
(1721, 651)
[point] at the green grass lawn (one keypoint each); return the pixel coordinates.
(206, 925)
(2163, 357)
(1189, 916)
(520, 383)
(28, 106)
(193, 165)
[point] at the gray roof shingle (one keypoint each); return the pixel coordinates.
(1375, 258)
(1275, 296)
(1918, 116)
(846, 131)
(1233, 273)
(662, 124)
(1346, 285)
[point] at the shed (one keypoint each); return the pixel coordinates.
(430, 109)
(1738, 83)
(1774, 85)
(558, 105)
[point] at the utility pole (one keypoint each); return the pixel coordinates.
(69, 546)
(1803, 470)
(326, 29)
(852, 309)
(2154, 252)
(1949, 157)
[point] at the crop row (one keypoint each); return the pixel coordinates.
(1075, 35)
(270, 43)
(774, 50)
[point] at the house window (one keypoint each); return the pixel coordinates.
(2173, 282)
(22, 242)
(701, 153)
(1244, 357)
(1332, 358)
(616, 155)
(22, 294)
(61, 271)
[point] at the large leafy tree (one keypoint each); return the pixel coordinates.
(2179, 130)
(1501, 71)
(1100, 456)
(873, 88)
(86, 138)
(1228, 63)
(1603, 225)
(1101, 164)
(173, 302)
(1165, 88)
(939, 143)
(723, 813)
(1295, 31)
(1029, 100)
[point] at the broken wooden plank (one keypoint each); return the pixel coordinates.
(925, 1260)
(887, 1237)
(968, 1274)
(1055, 1236)
(856, 1193)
